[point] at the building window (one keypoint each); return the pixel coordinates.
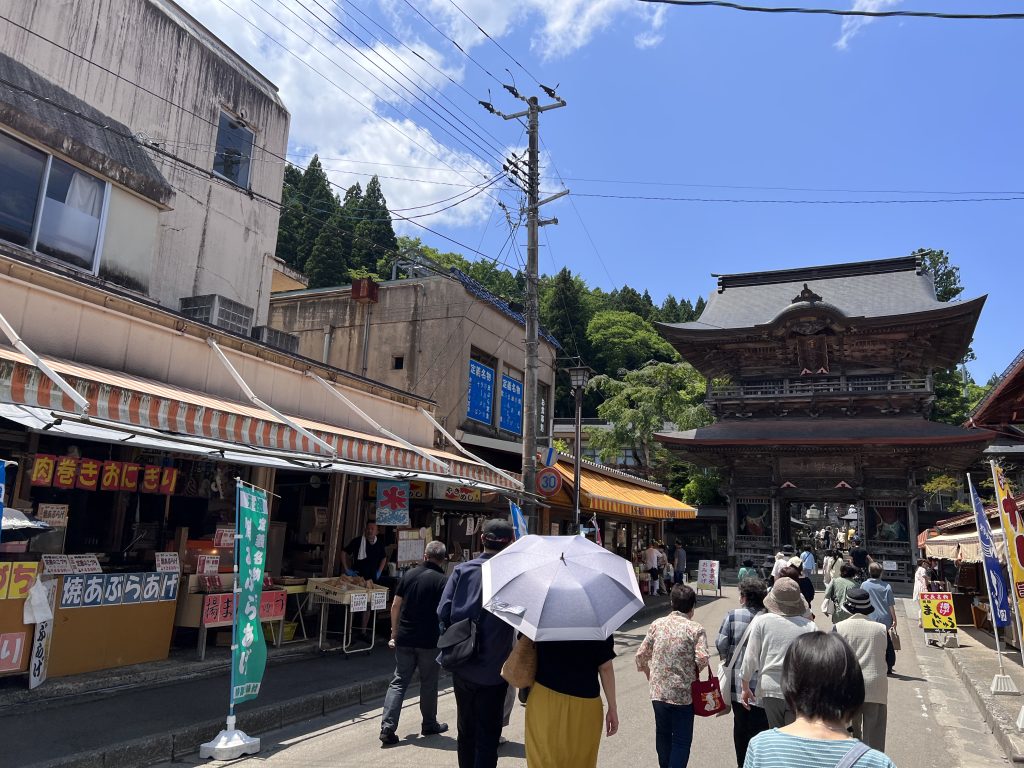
(50, 206)
(398, 362)
(234, 150)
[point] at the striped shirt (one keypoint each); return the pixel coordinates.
(731, 632)
(773, 748)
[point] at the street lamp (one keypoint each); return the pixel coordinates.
(579, 375)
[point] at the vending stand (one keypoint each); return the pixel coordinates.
(352, 598)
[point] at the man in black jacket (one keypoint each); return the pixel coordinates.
(414, 633)
(479, 687)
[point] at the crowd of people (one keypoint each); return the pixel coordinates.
(799, 697)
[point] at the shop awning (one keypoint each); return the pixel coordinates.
(622, 495)
(142, 404)
(962, 546)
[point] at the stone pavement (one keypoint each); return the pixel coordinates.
(150, 713)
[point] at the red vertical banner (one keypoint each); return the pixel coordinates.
(88, 474)
(43, 468)
(65, 472)
(110, 478)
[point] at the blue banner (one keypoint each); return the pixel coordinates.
(511, 405)
(518, 521)
(998, 598)
(481, 392)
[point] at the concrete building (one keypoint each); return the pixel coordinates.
(442, 337)
(166, 152)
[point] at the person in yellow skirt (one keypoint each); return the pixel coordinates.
(564, 715)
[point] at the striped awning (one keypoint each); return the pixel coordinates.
(139, 402)
(962, 546)
(624, 496)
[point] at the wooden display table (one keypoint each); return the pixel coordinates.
(212, 610)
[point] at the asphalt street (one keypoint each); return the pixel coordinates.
(932, 721)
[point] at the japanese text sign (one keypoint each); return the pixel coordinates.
(41, 643)
(12, 645)
(249, 657)
(380, 599)
(57, 565)
(86, 474)
(54, 515)
(480, 393)
(511, 405)
(392, 503)
(357, 602)
(707, 576)
(208, 565)
(461, 493)
(98, 589)
(937, 612)
(218, 608)
(224, 538)
(168, 562)
(16, 579)
(85, 563)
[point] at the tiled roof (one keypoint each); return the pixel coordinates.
(478, 290)
(863, 289)
(823, 431)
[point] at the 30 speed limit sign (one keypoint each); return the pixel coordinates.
(549, 481)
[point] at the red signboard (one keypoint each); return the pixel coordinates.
(69, 472)
(549, 481)
(217, 608)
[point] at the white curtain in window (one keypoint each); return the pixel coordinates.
(85, 194)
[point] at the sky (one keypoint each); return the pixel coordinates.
(742, 114)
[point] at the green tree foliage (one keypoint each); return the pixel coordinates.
(289, 231)
(702, 487)
(625, 341)
(319, 204)
(374, 241)
(565, 314)
(629, 300)
(328, 264)
(638, 404)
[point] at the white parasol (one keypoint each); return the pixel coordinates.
(560, 588)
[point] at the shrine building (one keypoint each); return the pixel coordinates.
(820, 380)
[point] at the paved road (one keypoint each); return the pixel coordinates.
(931, 722)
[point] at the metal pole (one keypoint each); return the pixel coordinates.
(578, 446)
(1007, 533)
(532, 317)
(988, 588)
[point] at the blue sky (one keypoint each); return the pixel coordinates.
(693, 102)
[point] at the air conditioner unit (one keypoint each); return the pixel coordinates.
(219, 311)
(275, 338)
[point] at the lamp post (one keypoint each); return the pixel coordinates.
(579, 375)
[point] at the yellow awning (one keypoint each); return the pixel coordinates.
(620, 496)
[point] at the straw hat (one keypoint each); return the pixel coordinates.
(796, 562)
(785, 598)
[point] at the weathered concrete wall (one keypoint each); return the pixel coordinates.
(432, 323)
(173, 80)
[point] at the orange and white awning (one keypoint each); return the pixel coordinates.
(624, 496)
(138, 402)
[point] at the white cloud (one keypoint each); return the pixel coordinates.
(646, 40)
(852, 25)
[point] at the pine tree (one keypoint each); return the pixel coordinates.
(328, 264)
(289, 231)
(375, 239)
(319, 204)
(669, 311)
(698, 308)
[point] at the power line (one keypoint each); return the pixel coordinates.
(499, 45)
(799, 202)
(452, 41)
(838, 12)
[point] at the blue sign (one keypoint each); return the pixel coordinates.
(511, 405)
(481, 392)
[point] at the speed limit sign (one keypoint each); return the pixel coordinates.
(549, 481)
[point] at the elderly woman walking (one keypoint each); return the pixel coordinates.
(867, 638)
(672, 654)
(771, 635)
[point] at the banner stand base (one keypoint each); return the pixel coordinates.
(229, 744)
(1003, 684)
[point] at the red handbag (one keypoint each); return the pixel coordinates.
(706, 695)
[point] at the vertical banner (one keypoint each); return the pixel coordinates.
(480, 394)
(1013, 535)
(41, 643)
(518, 519)
(249, 650)
(392, 503)
(993, 571)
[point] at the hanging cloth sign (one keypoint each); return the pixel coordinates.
(249, 650)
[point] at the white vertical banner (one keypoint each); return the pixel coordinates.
(41, 645)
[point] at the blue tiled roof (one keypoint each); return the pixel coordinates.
(478, 290)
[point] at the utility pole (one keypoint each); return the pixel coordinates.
(533, 224)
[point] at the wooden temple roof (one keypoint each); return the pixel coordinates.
(1004, 404)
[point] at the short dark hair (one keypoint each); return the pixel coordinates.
(792, 572)
(847, 571)
(753, 591)
(683, 598)
(821, 678)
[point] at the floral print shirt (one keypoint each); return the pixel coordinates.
(671, 654)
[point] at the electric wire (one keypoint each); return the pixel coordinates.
(840, 12)
(499, 45)
(461, 50)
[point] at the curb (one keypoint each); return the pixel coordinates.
(168, 747)
(1003, 728)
